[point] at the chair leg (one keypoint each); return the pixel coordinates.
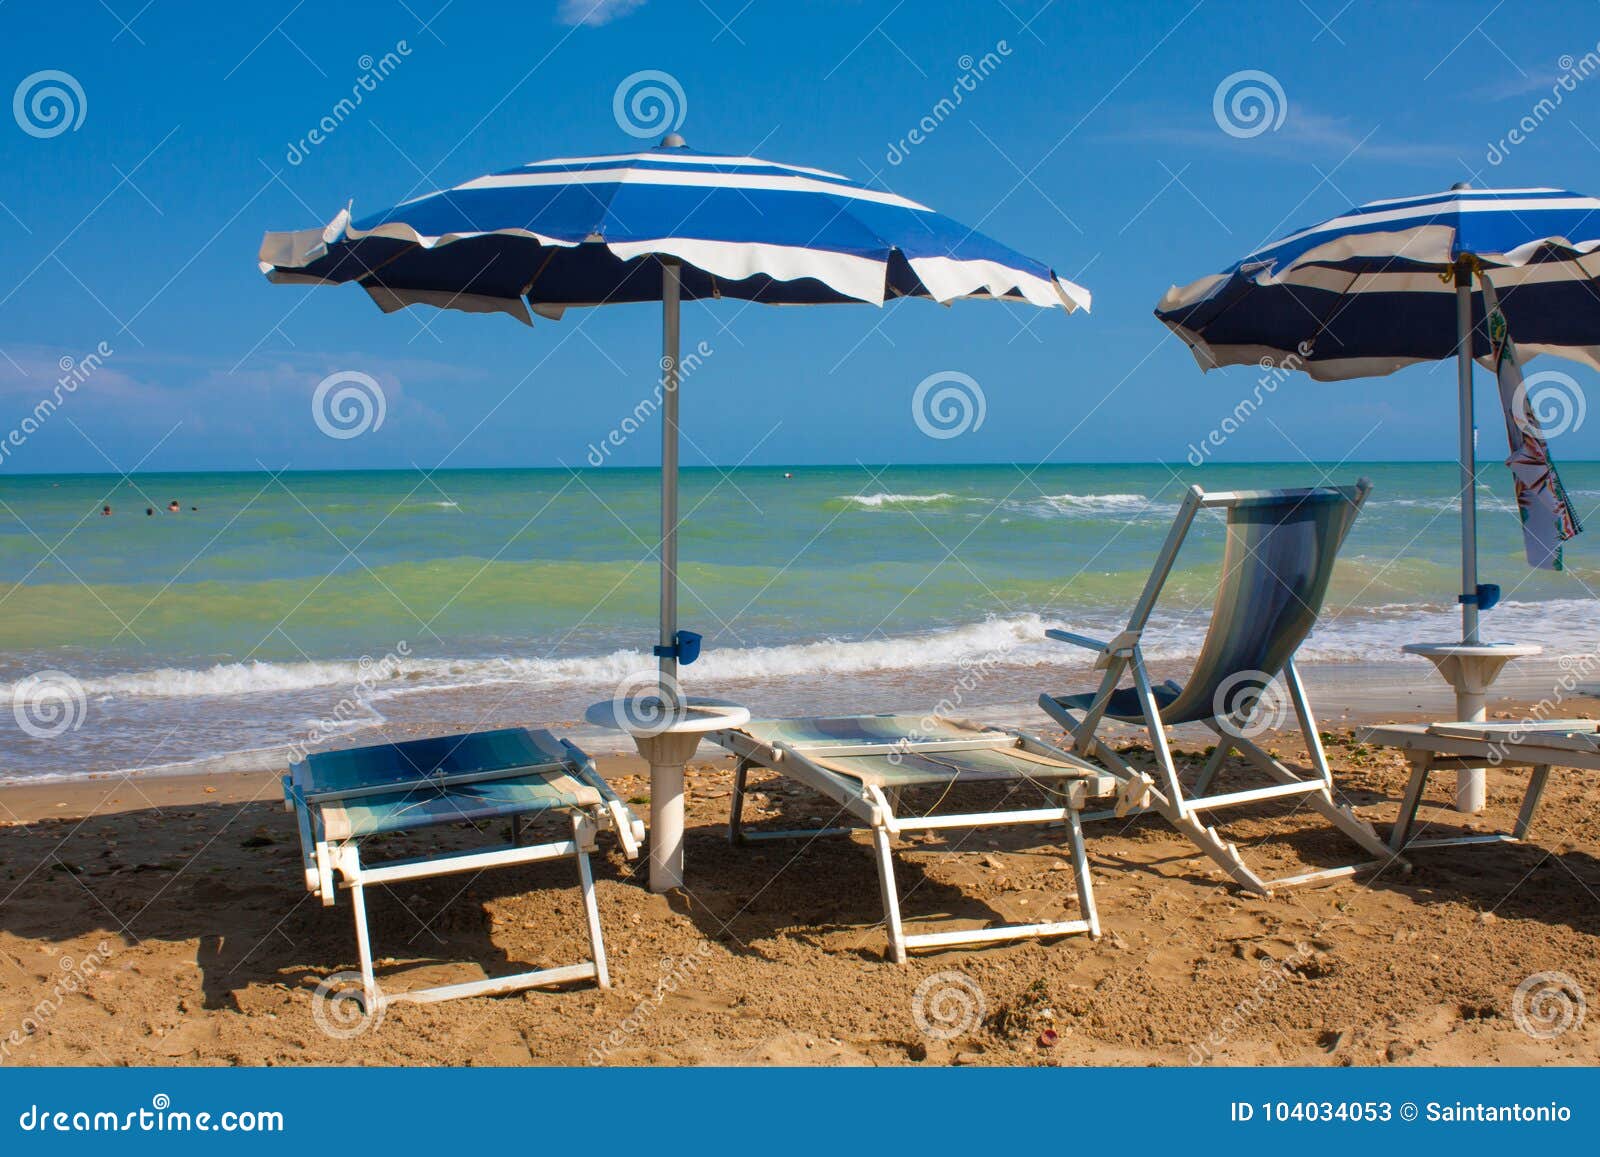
(1530, 802)
(1158, 735)
(741, 773)
(371, 998)
(1321, 801)
(891, 896)
(1412, 799)
(591, 911)
(1202, 783)
(1080, 868)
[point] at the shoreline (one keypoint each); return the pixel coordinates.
(1343, 695)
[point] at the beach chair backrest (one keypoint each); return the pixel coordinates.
(1279, 556)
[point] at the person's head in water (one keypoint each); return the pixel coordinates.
(173, 506)
(105, 510)
(149, 510)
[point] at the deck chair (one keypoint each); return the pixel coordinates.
(865, 762)
(1279, 554)
(343, 798)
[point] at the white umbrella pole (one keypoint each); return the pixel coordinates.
(670, 293)
(666, 751)
(1469, 475)
(1471, 701)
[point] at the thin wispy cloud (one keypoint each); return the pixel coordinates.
(1305, 133)
(593, 13)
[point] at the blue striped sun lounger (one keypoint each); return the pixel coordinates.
(342, 798)
(1276, 564)
(867, 763)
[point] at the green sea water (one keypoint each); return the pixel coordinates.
(247, 614)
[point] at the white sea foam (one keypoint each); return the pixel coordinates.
(1563, 627)
(875, 501)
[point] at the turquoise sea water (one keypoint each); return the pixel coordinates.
(238, 624)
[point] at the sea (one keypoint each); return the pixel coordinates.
(288, 610)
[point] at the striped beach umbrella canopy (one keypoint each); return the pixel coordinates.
(660, 224)
(600, 230)
(1417, 279)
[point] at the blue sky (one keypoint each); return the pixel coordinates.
(1092, 146)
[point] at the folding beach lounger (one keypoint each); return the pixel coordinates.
(1280, 550)
(342, 798)
(864, 763)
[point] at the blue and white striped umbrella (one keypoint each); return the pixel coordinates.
(660, 225)
(1396, 282)
(1372, 290)
(590, 231)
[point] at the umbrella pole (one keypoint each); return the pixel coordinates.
(667, 752)
(1471, 700)
(1469, 479)
(670, 295)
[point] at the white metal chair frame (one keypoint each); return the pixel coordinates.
(331, 864)
(875, 809)
(1184, 810)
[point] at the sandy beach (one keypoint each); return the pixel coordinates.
(161, 920)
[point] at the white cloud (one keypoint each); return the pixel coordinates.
(594, 13)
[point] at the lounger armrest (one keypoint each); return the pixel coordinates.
(1123, 644)
(629, 827)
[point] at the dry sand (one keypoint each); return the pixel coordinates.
(163, 921)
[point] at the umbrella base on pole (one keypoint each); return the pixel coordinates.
(1471, 668)
(667, 742)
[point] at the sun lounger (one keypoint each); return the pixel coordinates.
(343, 798)
(866, 764)
(1281, 546)
(1537, 745)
